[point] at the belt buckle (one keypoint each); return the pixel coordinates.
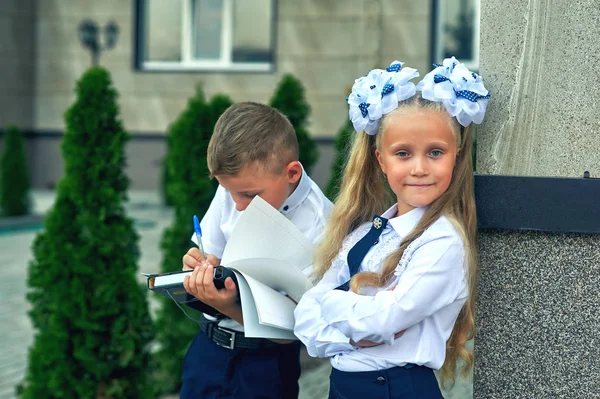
(231, 345)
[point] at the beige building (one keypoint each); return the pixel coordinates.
(237, 47)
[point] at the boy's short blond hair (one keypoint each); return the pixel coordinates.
(249, 133)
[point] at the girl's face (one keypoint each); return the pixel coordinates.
(417, 153)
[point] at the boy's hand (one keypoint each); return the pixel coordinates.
(201, 285)
(194, 258)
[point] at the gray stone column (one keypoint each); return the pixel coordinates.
(538, 308)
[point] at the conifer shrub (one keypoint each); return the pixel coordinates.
(218, 104)
(342, 149)
(93, 327)
(289, 98)
(191, 191)
(14, 177)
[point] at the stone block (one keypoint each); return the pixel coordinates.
(538, 325)
(324, 38)
(58, 36)
(327, 9)
(84, 9)
(545, 88)
(406, 36)
(16, 108)
(329, 113)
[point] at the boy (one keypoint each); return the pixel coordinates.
(253, 151)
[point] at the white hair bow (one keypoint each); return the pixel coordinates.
(460, 90)
(379, 93)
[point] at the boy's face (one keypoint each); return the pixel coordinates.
(254, 180)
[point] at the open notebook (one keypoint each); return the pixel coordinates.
(268, 255)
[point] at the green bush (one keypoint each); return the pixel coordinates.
(14, 178)
(90, 313)
(218, 104)
(289, 98)
(165, 178)
(191, 191)
(342, 149)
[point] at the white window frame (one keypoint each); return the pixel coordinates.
(438, 53)
(188, 63)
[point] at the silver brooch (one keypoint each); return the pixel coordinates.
(377, 223)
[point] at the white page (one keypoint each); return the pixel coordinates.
(273, 308)
(276, 274)
(263, 232)
(252, 326)
(171, 279)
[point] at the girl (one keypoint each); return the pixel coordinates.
(411, 272)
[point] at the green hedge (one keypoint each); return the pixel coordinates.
(14, 178)
(191, 192)
(342, 149)
(91, 317)
(289, 98)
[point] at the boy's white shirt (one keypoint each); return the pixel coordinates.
(307, 208)
(424, 298)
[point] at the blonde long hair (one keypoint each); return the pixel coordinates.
(364, 193)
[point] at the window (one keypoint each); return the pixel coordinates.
(456, 31)
(229, 35)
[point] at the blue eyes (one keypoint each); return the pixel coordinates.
(432, 153)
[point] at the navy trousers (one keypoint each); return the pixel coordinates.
(395, 383)
(211, 371)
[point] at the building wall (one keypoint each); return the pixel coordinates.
(17, 63)
(325, 43)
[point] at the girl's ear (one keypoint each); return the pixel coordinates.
(380, 160)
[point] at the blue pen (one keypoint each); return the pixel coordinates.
(198, 231)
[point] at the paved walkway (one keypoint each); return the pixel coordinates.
(16, 333)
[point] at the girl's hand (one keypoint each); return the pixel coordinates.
(363, 343)
(194, 258)
(368, 344)
(200, 284)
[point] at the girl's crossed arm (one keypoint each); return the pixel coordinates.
(321, 339)
(434, 279)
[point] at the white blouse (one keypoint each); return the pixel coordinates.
(424, 298)
(307, 208)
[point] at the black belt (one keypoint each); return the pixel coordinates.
(232, 339)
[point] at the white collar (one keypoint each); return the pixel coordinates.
(298, 195)
(404, 224)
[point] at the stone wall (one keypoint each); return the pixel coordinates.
(17, 63)
(538, 325)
